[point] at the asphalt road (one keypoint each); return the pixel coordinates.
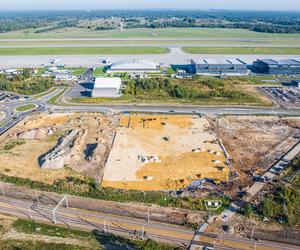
(119, 108)
(15, 117)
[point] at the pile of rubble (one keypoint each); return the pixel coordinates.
(67, 150)
(34, 134)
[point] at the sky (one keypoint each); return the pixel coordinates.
(152, 4)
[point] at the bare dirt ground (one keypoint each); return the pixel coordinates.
(255, 142)
(163, 153)
(21, 147)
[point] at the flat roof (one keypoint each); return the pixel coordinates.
(107, 82)
(280, 61)
(218, 61)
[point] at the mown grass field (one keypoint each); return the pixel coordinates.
(98, 71)
(77, 71)
(152, 41)
(195, 33)
(243, 50)
(25, 107)
(119, 50)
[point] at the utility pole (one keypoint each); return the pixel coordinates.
(65, 198)
(108, 227)
(2, 189)
(143, 231)
(148, 215)
(104, 226)
(30, 213)
(252, 232)
(54, 217)
(36, 196)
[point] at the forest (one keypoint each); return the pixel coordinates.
(261, 21)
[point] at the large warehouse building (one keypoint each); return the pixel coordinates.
(134, 66)
(107, 87)
(220, 67)
(276, 67)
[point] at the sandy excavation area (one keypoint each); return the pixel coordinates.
(22, 146)
(163, 152)
(255, 142)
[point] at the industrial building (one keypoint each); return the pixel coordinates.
(134, 66)
(219, 67)
(107, 87)
(295, 83)
(276, 67)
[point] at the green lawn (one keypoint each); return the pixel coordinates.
(242, 50)
(258, 80)
(25, 107)
(98, 71)
(83, 50)
(147, 33)
(53, 99)
(151, 41)
(77, 71)
(42, 70)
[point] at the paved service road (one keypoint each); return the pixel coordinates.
(177, 109)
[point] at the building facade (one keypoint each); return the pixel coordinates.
(219, 67)
(107, 87)
(276, 67)
(134, 66)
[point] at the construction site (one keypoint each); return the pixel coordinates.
(48, 147)
(254, 143)
(163, 152)
(147, 152)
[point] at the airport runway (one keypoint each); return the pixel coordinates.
(151, 39)
(164, 45)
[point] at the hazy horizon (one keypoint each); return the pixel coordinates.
(287, 5)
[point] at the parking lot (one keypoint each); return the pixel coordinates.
(80, 90)
(9, 97)
(288, 97)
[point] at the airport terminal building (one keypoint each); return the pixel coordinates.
(276, 67)
(216, 67)
(107, 87)
(134, 66)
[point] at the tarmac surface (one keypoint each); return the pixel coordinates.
(176, 56)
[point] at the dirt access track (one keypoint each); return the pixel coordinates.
(23, 145)
(163, 152)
